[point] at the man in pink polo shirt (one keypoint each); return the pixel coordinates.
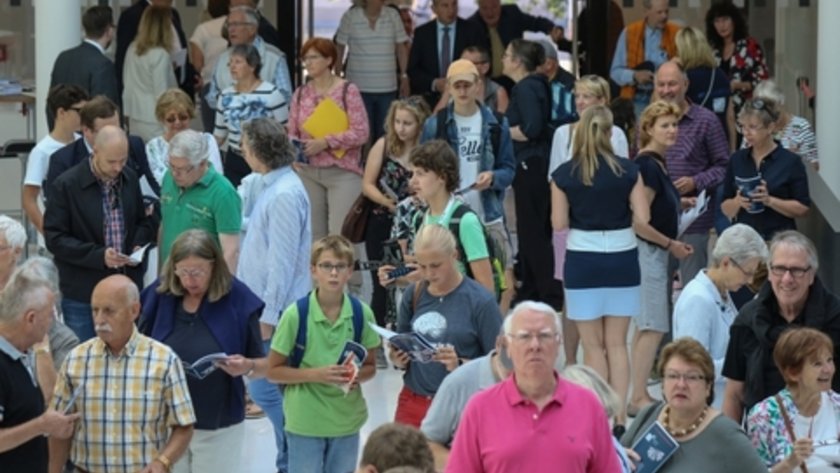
(533, 421)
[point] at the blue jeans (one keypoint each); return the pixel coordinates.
(322, 454)
(376, 106)
(79, 317)
(270, 399)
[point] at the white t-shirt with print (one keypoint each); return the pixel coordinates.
(469, 156)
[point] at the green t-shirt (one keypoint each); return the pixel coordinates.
(470, 233)
(315, 409)
(211, 204)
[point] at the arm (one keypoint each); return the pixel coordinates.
(230, 249)
(731, 131)
(483, 274)
(179, 440)
(283, 80)
(45, 369)
(59, 453)
(533, 121)
(163, 74)
(717, 150)
(559, 149)
(338, 69)
(373, 167)
(29, 197)
(440, 454)
(60, 240)
(619, 72)
(402, 64)
(559, 209)
(50, 423)
(471, 237)
(504, 166)
(733, 400)
(502, 100)
(693, 318)
(103, 81)
(196, 56)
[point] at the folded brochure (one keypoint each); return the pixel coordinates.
(415, 345)
(655, 447)
(352, 357)
(202, 367)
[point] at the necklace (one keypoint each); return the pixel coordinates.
(682, 432)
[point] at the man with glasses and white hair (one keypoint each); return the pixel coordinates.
(195, 195)
(242, 24)
(793, 296)
(534, 418)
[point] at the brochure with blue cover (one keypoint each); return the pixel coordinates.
(655, 447)
(205, 365)
(415, 345)
(352, 357)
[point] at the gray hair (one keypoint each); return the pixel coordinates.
(249, 53)
(769, 89)
(45, 269)
(535, 306)
(252, 16)
(12, 231)
(587, 377)
(191, 145)
(796, 240)
(268, 142)
(740, 243)
(25, 291)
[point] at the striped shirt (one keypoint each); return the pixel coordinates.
(701, 152)
(235, 108)
(372, 53)
(128, 403)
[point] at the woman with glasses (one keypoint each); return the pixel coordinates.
(198, 308)
(248, 98)
(148, 71)
(791, 428)
(707, 441)
(765, 186)
(174, 110)
(792, 131)
(704, 309)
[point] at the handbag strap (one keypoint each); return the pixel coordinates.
(789, 427)
(709, 92)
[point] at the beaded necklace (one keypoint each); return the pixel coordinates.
(682, 432)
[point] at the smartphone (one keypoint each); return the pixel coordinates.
(399, 271)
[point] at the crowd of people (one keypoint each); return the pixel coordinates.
(510, 212)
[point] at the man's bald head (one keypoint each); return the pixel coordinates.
(671, 83)
(115, 304)
(110, 152)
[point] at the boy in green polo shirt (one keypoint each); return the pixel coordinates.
(322, 422)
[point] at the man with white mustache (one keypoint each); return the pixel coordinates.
(130, 392)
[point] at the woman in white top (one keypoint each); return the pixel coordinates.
(206, 45)
(148, 71)
(589, 90)
(704, 310)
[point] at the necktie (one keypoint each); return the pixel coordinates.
(445, 53)
(496, 50)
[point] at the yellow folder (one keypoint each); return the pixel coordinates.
(327, 119)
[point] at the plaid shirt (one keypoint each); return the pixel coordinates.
(113, 221)
(128, 403)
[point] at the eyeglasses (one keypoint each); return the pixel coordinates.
(749, 274)
(543, 338)
(690, 378)
(174, 118)
(741, 128)
(310, 58)
(328, 267)
(179, 171)
(793, 270)
(190, 273)
(238, 24)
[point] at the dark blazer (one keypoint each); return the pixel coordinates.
(76, 152)
(512, 24)
(127, 27)
(424, 58)
(74, 234)
(86, 67)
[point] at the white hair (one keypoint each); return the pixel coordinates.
(190, 144)
(740, 243)
(769, 89)
(12, 231)
(252, 16)
(526, 306)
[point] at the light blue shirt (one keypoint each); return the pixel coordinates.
(619, 72)
(274, 255)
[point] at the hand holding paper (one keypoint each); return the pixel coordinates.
(691, 214)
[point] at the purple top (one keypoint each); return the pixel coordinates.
(702, 152)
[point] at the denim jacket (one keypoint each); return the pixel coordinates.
(503, 165)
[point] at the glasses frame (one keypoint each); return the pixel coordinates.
(795, 272)
(329, 267)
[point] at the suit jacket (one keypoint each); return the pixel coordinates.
(424, 60)
(127, 28)
(76, 152)
(74, 229)
(86, 67)
(512, 24)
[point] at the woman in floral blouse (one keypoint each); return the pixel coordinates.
(739, 55)
(804, 356)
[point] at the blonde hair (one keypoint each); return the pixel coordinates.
(155, 30)
(340, 246)
(435, 237)
(174, 99)
(693, 49)
(414, 105)
(653, 112)
(592, 141)
(588, 378)
(595, 85)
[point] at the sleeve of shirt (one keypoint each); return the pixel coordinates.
(760, 432)
(739, 452)
(619, 142)
(357, 134)
(36, 168)
(807, 143)
(342, 35)
(532, 121)
(717, 150)
(798, 182)
(228, 212)
(559, 149)
(728, 183)
(283, 81)
(488, 320)
(156, 158)
(278, 106)
(284, 337)
(294, 114)
(253, 342)
(404, 314)
(649, 174)
(178, 395)
(471, 234)
(604, 455)
(62, 391)
(220, 130)
(213, 91)
(397, 25)
(466, 453)
(442, 418)
(504, 167)
(370, 339)
(58, 231)
(693, 318)
(735, 364)
(619, 72)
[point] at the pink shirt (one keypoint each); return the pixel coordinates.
(304, 101)
(502, 432)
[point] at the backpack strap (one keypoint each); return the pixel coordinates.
(455, 228)
(296, 356)
(358, 319)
